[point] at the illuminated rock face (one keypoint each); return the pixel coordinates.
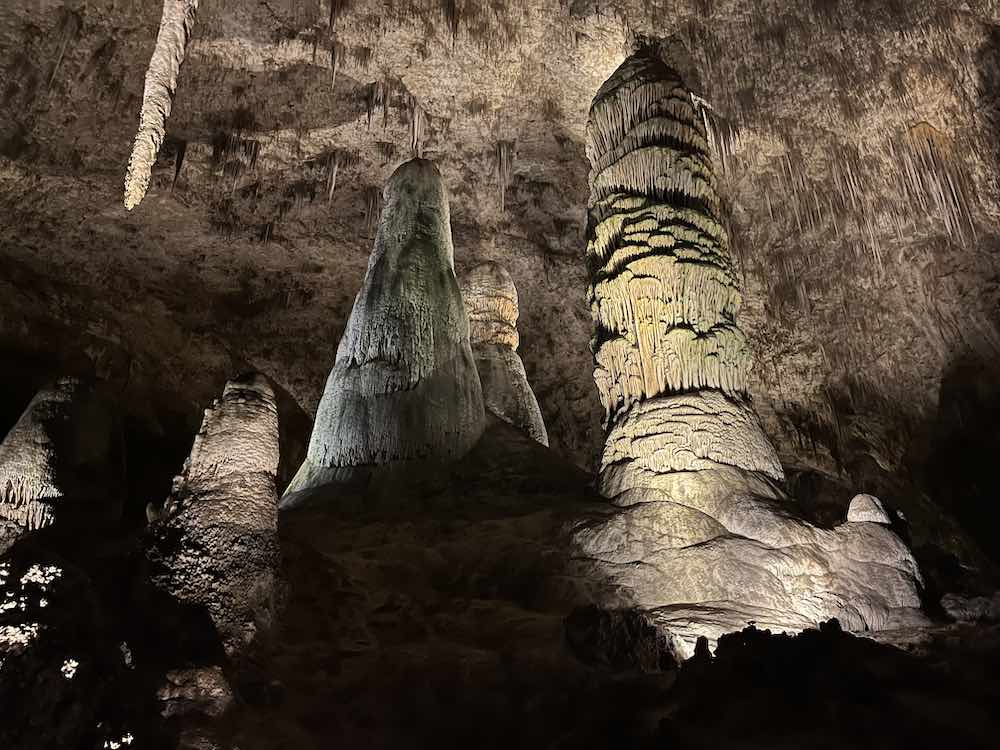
(491, 300)
(176, 27)
(404, 386)
(215, 544)
(703, 541)
(59, 462)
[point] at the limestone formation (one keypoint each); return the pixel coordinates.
(867, 508)
(176, 26)
(215, 543)
(59, 462)
(404, 385)
(491, 300)
(703, 540)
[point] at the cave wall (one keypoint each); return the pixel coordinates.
(855, 141)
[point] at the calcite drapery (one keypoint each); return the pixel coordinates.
(702, 541)
(491, 300)
(176, 26)
(404, 385)
(215, 543)
(61, 460)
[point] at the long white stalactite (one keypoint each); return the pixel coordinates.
(176, 26)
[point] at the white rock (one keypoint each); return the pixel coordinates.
(867, 508)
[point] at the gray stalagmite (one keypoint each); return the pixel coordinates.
(703, 540)
(60, 462)
(491, 301)
(176, 26)
(404, 385)
(215, 543)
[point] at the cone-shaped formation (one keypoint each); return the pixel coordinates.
(491, 300)
(59, 461)
(176, 26)
(703, 541)
(215, 543)
(404, 386)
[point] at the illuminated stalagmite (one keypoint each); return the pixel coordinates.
(491, 300)
(404, 386)
(702, 540)
(176, 26)
(214, 544)
(59, 462)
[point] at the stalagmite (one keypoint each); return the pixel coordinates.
(702, 539)
(176, 26)
(214, 545)
(59, 462)
(404, 386)
(491, 300)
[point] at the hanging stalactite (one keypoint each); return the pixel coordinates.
(176, 26)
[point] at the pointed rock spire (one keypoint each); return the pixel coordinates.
(404, 385)
(491, 300)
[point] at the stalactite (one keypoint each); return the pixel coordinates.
(336, 57)
(176, 26)
(418, 126)
(452, 16)
(504, 168)
(332, 167)
(373, 207)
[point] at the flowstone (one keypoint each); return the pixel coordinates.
(214, 544)
(491, 300)
(703, 541)
(60, 462)
(404, 386)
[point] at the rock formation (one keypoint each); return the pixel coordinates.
(404, 385)
(215, 543)
(176, 26)
(59, 462)
(491, 300)
(704, 541)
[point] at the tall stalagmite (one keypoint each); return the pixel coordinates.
(404, 386)
(215, 543)
(491, 300)
(703, 540)
(60, 461)
(176, 26)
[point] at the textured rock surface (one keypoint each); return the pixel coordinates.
(491, 300)
(172, 40)
(404, 386)
(214, 543)
(60, 461)
(704, 541)
(867, 508)
(833, 128)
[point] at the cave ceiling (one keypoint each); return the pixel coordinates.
(856, 143)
